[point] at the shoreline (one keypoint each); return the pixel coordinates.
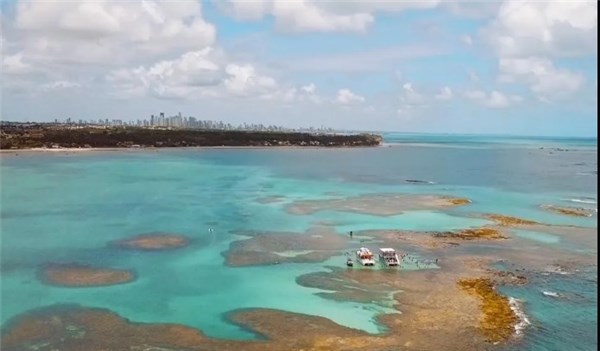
(178, 148)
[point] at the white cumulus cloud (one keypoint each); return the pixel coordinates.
(104, 31)
(243, 80)
(548, 28)
(345, 96)
(494, 99)
(444, 94)
(318, 16)
(543, 78)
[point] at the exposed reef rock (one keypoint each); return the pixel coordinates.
(498, 320)
(377, 205)
(509, 220)
(153, 242)
(571, 211)
(508, 278)
(472, 234)
(77, 275)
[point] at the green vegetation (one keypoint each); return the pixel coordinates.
(35, 136)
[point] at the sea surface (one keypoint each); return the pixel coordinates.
(66, 207)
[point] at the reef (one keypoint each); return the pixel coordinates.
(498, 321)
(153, 242)
(377, 204)
(509, 220)
(570, 211)
(472, 234)
(316, 245)
(77, 275)
(343, 284)
(508, 277)
(76, 328)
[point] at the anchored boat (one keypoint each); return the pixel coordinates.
(365, 257)
(389, 257)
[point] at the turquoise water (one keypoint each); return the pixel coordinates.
(537, 236)
(66, 208)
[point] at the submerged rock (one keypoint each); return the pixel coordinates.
(377, 204)
(153, 242)
(77, 275)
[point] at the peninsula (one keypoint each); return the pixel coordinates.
(26, 136)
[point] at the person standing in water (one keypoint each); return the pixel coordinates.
(351, 234)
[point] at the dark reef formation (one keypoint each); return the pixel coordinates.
(37, 136)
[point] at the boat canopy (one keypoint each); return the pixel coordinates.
(387, 250)
(364, 253)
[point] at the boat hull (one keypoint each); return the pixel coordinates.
(390, 262)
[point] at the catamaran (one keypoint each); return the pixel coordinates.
(365, 257)
(388, 257)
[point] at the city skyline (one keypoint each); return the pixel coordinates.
(161, 120)
(515, 68)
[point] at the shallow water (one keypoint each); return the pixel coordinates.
(67, 208)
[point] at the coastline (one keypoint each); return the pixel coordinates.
(14, 152)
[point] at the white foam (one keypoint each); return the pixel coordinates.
(584, 201)
(517, 307)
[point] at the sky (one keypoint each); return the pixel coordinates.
(514, 67)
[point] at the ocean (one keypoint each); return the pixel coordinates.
(68, 207)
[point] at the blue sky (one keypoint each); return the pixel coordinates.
(440, 67)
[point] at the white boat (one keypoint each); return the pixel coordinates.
(365, 257)
(388, 257)
(550, 293)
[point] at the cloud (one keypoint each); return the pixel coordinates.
(243, 80)
(543, 78)
(444, 94)
(207, 73)
(184, 77)
(94, 31)
(494, 99)
(345, 97)
(410, 96)
(309, 89)
(305, 93)
(13, 64)
(548, 28)
(318, 16)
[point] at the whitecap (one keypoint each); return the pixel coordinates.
(517, 307)
(584, 200)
